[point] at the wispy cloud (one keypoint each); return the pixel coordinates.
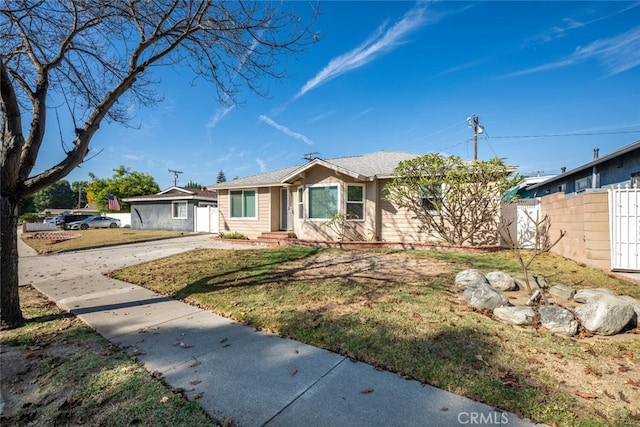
(133, 157)
(380, 42)
(262, 165)
(616, 54)
(217, 116)
(363, 113)
(322, 116)
(285, 130)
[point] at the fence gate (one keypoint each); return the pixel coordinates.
(520, 215)
(624, 228)
(207, 220)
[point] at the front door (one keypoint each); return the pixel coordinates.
(284, 209)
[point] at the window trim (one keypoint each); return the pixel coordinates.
(308, 201)
(362, 202)
(174, 204)
(300, 202)
(243, 191)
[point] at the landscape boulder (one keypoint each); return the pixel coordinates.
(483, 296)
(589, 295)
(607, 315)
(636, 308)
(558, 320)
(501, 281)
(470, 278)
(561, 291)
(518, 315)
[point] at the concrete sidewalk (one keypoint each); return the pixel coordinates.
(254, 378)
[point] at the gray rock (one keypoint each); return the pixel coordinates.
(501, 281)
(470, 278)
(558, 320)
(636, 308)
(589, 295)
(522, 284)
(606, 316)
(561, 291)
(518, 315)
(483, 296)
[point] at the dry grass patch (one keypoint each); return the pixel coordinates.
(93, 238)
(398, 310)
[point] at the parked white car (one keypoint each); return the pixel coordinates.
(94, 222)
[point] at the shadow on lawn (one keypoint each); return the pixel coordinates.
(281, 269)
(459, 359)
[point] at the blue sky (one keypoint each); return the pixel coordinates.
(549, 81)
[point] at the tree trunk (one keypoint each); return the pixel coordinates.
(10, 313)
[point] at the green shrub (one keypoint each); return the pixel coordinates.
(234, 235)
(30, 217)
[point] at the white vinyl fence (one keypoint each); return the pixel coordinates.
(207, 219)
(521, 216)
(624, 228)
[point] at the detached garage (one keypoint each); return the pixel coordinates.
(173, 209)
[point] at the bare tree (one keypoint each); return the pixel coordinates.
(536, 232)
(96, 57)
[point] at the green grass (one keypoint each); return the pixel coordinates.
(95, 237)
(420, 330)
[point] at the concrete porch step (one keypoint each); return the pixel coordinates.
(275, 237)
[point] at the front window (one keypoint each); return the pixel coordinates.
(429, 200)
(243, 204)
(179, 210)
(355, 202)
(301, 203)
(323, 202)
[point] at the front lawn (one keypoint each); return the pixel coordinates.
(398, 311)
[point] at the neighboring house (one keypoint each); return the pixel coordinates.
(172, 209)
(522, 190)
(304, 199)
(620, 167)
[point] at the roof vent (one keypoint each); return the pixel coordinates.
(563, 169)
(596, 154)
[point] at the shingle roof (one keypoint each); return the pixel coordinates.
(177, 193)
(377, 164)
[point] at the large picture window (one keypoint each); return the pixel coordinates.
(323, 202)
(355, 202)
(179, 210)
(243, 203)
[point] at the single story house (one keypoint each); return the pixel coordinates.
(171, 209)
(622, 167)
(321, 200)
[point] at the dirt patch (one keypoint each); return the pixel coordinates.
(366, 267)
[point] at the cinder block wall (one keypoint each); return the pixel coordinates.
(585, 218)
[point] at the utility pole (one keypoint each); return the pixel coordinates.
(79, 196)
(472, 121)
(175, 176)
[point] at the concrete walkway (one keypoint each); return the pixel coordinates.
(254, 378)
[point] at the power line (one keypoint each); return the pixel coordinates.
(567, 134)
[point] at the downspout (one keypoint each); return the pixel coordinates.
(378, 210)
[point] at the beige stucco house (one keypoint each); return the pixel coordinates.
(303, 199)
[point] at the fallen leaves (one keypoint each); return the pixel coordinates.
(180, 343)
(366, 391)
(586, 395)
(293, 372)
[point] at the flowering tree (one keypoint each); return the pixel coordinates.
(455, 200)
